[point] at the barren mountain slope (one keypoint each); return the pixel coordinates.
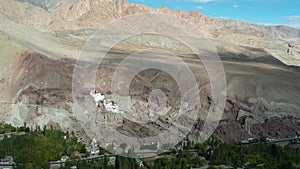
(37, 90)
(40, 41)
(280, 41)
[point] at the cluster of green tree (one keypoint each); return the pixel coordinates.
(213, 153)
(182, 160)
(7, 128)
(120, 163)
(126, 163)
(259, 155)
(37, 148)
(178, 159)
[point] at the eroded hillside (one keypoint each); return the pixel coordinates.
(40, 44)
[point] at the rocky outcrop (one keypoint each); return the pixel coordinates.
(36, 88)
(40, 92)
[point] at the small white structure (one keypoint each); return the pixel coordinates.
(109, 106)
(64, 158)
(140, 163)
(94, 147)
(112, 161)
(7, 162)
(157, 144)
(97, 96)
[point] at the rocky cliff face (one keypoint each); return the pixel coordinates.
(38, 91)
(40, 39)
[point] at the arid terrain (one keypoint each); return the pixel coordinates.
(40, 44)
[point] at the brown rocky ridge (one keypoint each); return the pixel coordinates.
(40, 42)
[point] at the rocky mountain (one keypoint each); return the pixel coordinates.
(280, 41)
(45, 4)
(93, 14)
(40, 41)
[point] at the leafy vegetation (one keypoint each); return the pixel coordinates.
(214, 153)
(255, 155)
(120, 163)
(36, 149)
(7, 128)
